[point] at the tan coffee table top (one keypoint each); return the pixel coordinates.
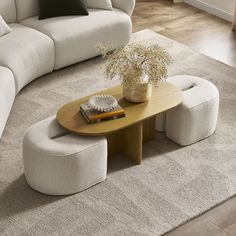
(166, 96)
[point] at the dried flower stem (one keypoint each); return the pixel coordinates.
(133, 62)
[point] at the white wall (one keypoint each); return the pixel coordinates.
(221, 8)
(225, 5)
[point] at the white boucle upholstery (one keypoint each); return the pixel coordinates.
(8, 10)
(125, 5)
(196, 117)
(7, 95)
(100, 4)
(28, 53)
(59, 163)
(26, 9)
(81, 34)
(34, 48)
(4, 28)
(29, 8)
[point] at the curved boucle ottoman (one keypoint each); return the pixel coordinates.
(196, 117)
(59, 163)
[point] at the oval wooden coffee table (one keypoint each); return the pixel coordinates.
(125, 135)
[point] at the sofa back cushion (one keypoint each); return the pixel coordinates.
(26, 9)
(8, 10)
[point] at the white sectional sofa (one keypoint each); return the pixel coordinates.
(35, 48)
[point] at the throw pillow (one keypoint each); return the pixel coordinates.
(101, 4)
(4, 28)
(54, 8)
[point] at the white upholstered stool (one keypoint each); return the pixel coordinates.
(59, 163)
(196, 117)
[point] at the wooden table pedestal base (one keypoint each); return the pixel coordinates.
(129, 140)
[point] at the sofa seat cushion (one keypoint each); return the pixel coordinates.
(28, 53)
(7, 95)
(76, 37)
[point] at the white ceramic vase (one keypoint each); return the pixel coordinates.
(140, 92)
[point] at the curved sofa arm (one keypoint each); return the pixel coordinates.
(125, 5)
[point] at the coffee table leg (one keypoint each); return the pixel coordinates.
(133, 142)
(130, 140)
(149, 129)
(127, 141)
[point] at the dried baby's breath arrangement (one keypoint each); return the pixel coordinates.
(136, 63)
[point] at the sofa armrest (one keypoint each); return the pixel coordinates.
(125, 5)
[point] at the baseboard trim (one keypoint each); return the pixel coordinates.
(211, 9)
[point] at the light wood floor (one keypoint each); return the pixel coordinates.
(199, 30)
(213, 37)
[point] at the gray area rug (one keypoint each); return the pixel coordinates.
(172, 185)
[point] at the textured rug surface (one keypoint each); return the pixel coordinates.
(172, 185)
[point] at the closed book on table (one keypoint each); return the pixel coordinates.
(93, 116)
